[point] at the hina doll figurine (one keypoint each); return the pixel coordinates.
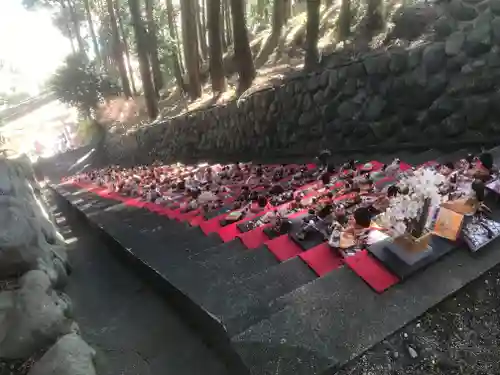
(360, 221)
(323, 158)
(383, 201)
(340, 214)
(316, 223)
(280, 224)
(393, 169)
(447, 169)
(349, 169)
(366, 168)
(335, 235)
(483, 168)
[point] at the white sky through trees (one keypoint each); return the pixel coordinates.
(30, 45)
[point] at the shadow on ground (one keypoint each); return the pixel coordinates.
(133, 331)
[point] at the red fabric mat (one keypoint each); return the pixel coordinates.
(254, 238)
(212, 225)
(134, 202)
(283, 248)
(187, 216)
(229, 232)
(197, 220)
(164, 212)
(322, 259)
(174, 214)
(404, 166)
(371, 271)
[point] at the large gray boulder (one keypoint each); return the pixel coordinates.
(69, 356)
(28, 238)
(19, 250)
(37, 319)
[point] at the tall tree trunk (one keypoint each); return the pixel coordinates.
(288, 10)
(202, 32)
(118, 49)
(125, 47)
(76, 26)
(172, 27)
(312, 35)
(374, 16)
(180, 51)
(70, 37)
(142, 53)
(190, 41)
(93, 36)
(222, 21)
(242, 52)
(271, 42)
(344, 20)
(229, 23)
(203, 15)
(153, 48)
(214, 34)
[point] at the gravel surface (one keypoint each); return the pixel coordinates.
(461, 335)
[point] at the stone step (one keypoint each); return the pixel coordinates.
(332, 319)
(207, 277)
(230, 248)
(245, 302)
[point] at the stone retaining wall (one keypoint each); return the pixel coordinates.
(445, 87)
(35, 315)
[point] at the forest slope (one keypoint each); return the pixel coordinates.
(404, 25)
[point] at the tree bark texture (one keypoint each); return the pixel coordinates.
(344, 20)
(202, 32)
(229, 23)
(117, 49)
(242, 52)
(126, 47)
(190, 42)
(214, 35)
(272, 42)
(153, 48)
(142, 53)
(312, 34)
(173, 35)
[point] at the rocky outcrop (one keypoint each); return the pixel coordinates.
(35, 314)
(444, 86)
(39, 316)
(69, 356)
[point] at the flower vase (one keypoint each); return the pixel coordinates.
(413, 244)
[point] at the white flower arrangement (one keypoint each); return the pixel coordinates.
(405, 210)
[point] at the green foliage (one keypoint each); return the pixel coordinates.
(78, 84)
(63, 21)
(89, 130)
